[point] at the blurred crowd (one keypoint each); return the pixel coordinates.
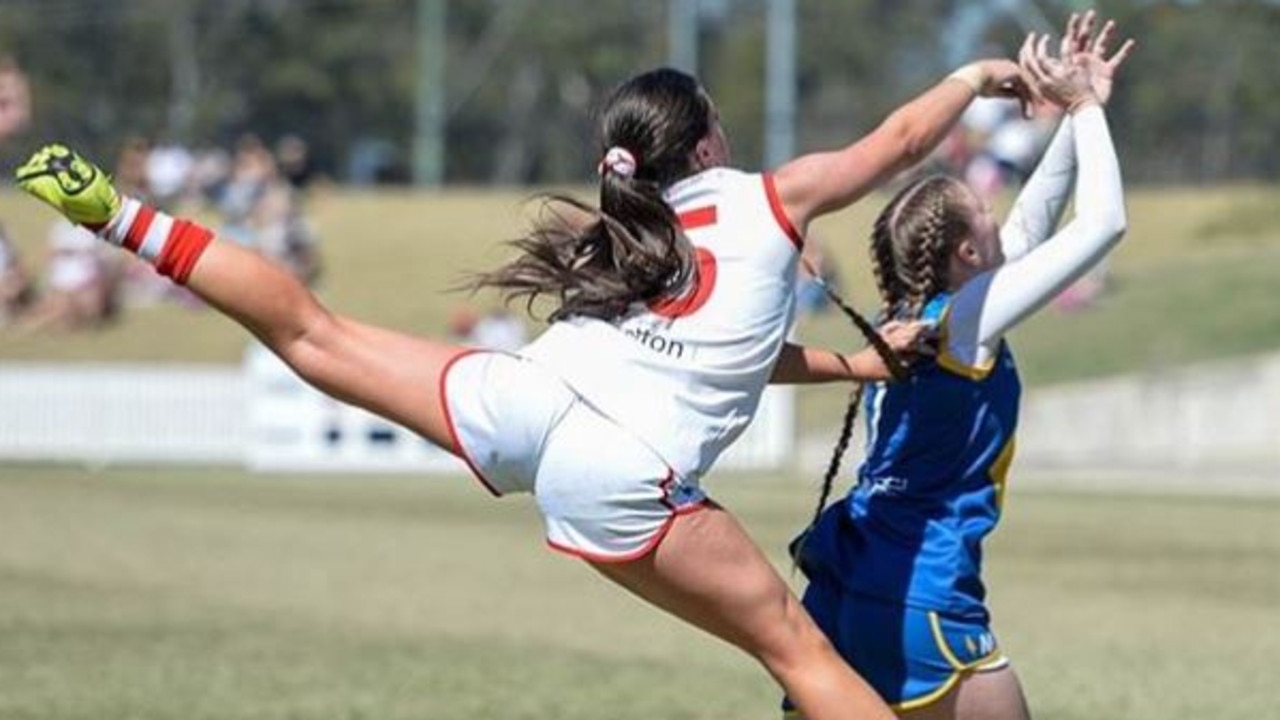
(254, 195)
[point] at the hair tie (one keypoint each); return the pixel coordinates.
(618, 160)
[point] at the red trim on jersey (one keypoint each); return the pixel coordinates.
(137, 232)
(652, 543)
(704, 281)
(780, 213)
(457, 448)
(698, 217)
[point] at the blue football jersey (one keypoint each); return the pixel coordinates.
(931, 487)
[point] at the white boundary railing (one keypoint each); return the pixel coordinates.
(122, 413)
(1213, 420)
(259, 415)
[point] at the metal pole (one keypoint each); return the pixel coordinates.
(429, 122)
(780, 83)
(682, 35)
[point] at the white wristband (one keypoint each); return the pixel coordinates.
(970, 75)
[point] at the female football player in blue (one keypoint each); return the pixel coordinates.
(894, 568)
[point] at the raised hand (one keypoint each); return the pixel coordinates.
(1004, 78)
(1079, 44)
(1058, 80)
(70, 184)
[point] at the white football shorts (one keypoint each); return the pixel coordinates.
(604, 494)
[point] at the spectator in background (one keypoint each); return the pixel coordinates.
(132, 166)
(263, 211)
(252, 169)
(282, 233)
(294, 158)
(16, 291)
(169, 167)
(78, 290)
(210, 174)
(15, 115)
(499, 329)
(134, 170)
(15, 98)
(1003, 145)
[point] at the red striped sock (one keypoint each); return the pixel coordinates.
(172, 246)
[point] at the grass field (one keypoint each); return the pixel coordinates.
(182, 594)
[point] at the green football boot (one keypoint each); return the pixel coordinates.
(74, 186)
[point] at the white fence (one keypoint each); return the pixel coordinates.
(122, 413)
(260, 416)
(1213, 426)
(1189, 426)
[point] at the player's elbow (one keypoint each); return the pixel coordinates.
(311, 347)
(1108, 228)
(1114, 224)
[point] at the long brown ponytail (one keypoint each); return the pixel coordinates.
(598, 262)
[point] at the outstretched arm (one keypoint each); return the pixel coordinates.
(391, 374)
(991, 304)
(823, 182)
(801, 365)
(1038, 209)
(1039, 206)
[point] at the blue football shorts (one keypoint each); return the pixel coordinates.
(912, 657)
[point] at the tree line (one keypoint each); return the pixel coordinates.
(1199, 101)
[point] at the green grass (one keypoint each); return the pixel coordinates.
(212, 594)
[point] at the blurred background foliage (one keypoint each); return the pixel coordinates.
(1200, 102)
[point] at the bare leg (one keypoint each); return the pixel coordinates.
(708, 572)
(990, 695)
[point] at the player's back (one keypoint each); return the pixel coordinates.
(686, 373)
(939, 445)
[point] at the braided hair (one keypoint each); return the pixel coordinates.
(897, 368)
(911, 245)
(912, 242)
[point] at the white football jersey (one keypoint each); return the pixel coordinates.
(686, 374)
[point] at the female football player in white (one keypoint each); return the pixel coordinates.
(672, 303)
(895, 567)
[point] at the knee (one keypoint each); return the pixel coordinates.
(794, 641)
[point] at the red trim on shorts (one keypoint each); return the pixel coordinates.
(780, 213)
(698, 217)
(457, 448)
(653, 542)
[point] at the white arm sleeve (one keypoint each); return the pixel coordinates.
(990, 305)
(1039, 206)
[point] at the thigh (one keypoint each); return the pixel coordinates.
(708, 571)
(993, 694)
